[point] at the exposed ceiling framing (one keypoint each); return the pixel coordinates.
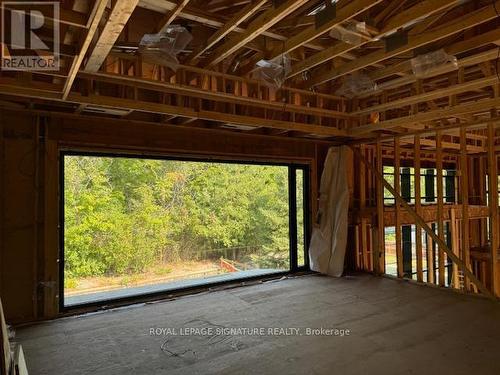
(214, 84)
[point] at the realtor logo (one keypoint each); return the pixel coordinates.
(30, 35)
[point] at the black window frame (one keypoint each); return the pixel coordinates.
(293, 167)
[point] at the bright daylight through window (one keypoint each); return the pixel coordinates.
(136, 226)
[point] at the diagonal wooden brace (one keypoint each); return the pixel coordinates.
(423, 224)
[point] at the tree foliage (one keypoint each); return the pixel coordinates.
(123, 215)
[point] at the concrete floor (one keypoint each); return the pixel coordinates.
(395, 328)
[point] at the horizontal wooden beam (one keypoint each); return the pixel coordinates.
(449, 129)
(174, 110)
(406, 121)
(431, 95)
(183, 89)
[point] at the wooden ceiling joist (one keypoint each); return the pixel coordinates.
(350, 10)
(118, 18)
(199, 89)
(453, 49)
(170, 17)
(254, 29)
(467, 21)
(210, 20)
(461, 63)
(230, 26)
(95, 18)
(420, 10)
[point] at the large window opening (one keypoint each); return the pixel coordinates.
(134, 226)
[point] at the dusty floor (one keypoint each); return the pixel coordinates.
(395, 328)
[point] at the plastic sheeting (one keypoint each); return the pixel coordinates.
(329, 239)
(273, 72)
(163, 48)
(425, 64)
(355, 85)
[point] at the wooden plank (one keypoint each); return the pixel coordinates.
(95, 18)
(170, 17)
(414, 41)
(379, 251)
(464, 194)
(188, 90)
(431, 144)
(420, 10)
(350, 10)
(432, 95)
(493, 205)
(362, 205)
(397, 189)
(454, 247)
(418, 205)
(430, 260)
(405, 67)
(440, 203)
(229, 26)
(429, 213)
(257, 27)
(409, 121)
(194, 14)
(159, 108)
(427, 229)
(120, 14)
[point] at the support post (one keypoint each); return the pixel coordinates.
(418, 206)
(493, 206)
(379, 253)
(464, 193)
(440, 222)
(397, 207)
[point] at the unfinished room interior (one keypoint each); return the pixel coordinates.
(250, 187)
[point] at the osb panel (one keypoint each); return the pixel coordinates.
(18, 250)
